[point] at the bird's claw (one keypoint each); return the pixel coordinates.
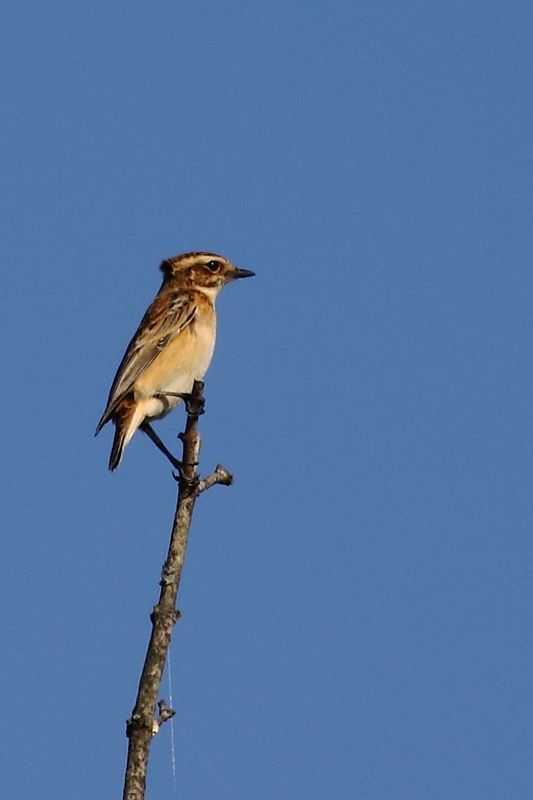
(183, 479)
(194, 406)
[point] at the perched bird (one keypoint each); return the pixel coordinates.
(172, 347)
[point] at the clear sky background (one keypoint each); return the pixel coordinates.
(357, 609)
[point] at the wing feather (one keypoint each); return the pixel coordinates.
(168, 315)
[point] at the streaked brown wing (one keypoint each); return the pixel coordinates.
(165, 318)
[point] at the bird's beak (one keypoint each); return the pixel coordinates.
(243, 273)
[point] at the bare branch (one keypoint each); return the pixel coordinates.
(143, 723)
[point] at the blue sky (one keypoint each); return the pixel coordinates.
(357, 609)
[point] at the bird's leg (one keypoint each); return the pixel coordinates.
(178, 465)
(193, 406)
(149, 431)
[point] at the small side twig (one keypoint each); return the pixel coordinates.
(165, 713)
(220, 475)
(143, 723)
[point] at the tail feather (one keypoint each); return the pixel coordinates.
(118, 448)
(126, 423)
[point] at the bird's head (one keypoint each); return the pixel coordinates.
(202, 271)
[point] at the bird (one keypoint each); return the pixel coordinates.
(171, 348)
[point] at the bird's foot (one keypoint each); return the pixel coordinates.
(185, 479)
(194, 406)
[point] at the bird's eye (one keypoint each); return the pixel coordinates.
(213, 266)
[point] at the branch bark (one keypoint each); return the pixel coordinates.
(144, 723)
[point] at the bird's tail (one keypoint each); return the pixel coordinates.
(126, 423)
